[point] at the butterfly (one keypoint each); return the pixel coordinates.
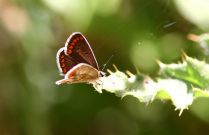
(76, 61)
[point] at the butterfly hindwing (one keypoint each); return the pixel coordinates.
(64, 62)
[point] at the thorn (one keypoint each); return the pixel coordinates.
(115, 67)
(158, 61)
(129, 73)
(184, 56)
(109, 71)
(137, 70)
(181, 112)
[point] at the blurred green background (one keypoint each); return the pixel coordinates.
(136, 32)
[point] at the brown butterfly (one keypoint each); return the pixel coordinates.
(76, 61)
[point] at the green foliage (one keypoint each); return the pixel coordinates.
(181, 83)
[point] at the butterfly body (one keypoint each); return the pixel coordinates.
(76, 61)
(81, 73)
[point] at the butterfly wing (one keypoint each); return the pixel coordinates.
(64, 62)
(77, 50)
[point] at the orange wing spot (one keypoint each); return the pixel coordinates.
(69, 51)
(71, 47)
(62, 56)
(74, 41)
(63, 65)
(62, 61)
(81, 38)
(64, 70)
(77, 38)
(72, 73)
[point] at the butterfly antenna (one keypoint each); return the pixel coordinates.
(108, 61)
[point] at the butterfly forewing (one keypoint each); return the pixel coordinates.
(78, 48)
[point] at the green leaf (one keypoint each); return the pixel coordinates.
(192, 71)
